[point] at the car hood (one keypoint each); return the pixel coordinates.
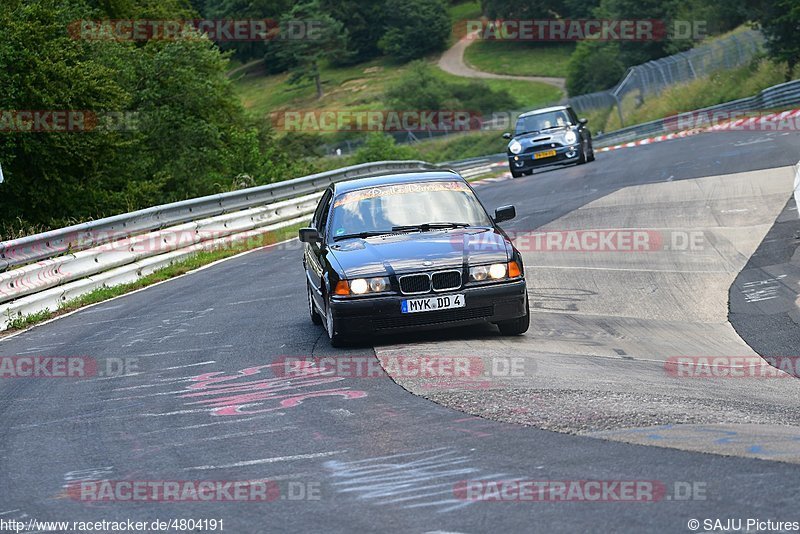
(420, 251)
(530, 139)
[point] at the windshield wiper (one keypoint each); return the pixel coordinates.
(362, 235)
(429, 226)
(554, 127)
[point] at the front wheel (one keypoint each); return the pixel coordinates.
(583, 157)
(515, 174)
(336, 339)
(315, 318)
(516, 327)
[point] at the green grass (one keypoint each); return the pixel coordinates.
(529, 95)
(461, 12)
(461, 146)
(176, 269)
(520, 58)
(721, 86)
(361, 88)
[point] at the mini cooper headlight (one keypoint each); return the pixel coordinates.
(362, 286)
(515, 147)
(570, 137)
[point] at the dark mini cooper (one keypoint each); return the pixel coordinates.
(550, 136)
(410, 252)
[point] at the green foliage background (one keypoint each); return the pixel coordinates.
(191, 135)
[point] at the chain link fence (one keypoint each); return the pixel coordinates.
(640, 82)
(651, 78)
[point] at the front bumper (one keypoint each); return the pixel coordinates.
(484, 304)
(564, 155)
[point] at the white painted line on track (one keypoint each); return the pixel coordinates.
(266, 461)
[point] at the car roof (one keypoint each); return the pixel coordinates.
(396, 178)
(543, 110)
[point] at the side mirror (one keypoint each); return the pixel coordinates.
(309, 235)
(505, 213)
(506, 135)
(583, 121)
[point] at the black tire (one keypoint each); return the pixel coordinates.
(583, 157)
(336, 339)
(591, 153)
(516, 327)
(315, 318)
(515, 174)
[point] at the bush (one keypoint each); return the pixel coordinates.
(594, 66)
(415, 28)
(190, 137)
(421, 89)
(381, 147)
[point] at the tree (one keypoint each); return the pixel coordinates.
(191, 135)
(271, 10)
(364, 20)
(538, 9)
(779, 20)
(594, 66)
(326, 39)
(415, 28)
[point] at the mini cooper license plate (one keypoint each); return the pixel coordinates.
(447, 302)
(545, 154)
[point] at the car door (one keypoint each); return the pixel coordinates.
(314, 259)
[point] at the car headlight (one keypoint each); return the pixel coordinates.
(362, 286)
(515, 147)
(570, 137)
(496, 271)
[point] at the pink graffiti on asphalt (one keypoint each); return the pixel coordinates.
(247, 393)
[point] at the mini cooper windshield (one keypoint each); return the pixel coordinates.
(405, 207)
(542, 122)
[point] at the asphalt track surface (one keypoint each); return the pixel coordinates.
(377, 457)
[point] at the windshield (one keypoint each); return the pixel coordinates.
(382, 209)
(541, 122)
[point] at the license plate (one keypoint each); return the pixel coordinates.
(433, 303)
(545, 154)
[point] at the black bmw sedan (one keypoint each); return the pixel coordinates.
(410, 252)
(550, 136)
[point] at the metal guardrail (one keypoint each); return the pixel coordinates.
(86, 235)
(67, 263)
(776, 97)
